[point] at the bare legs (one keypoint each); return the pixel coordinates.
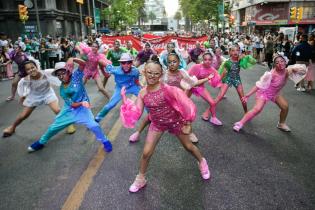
(14, 85)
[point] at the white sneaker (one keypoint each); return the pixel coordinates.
(193, 138)
(283, 127)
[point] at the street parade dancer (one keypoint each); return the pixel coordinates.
(126, 76)
(173, 77)
(205, 72)
(169, 110)
(268, 89)
(76, 108)
(93, 60)
(35, 90)
(230, 73)
(170, 47)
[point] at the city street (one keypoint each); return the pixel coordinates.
(259, 168)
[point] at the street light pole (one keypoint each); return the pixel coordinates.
(37, 19)
(95, 25)
(81, 20)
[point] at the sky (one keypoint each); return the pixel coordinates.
(171, 7)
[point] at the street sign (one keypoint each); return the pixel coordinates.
(97, 15)
(80, 1)
(221, 11)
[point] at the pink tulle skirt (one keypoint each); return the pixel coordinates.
(310, 75)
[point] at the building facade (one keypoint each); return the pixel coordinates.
(56, 17)
(270, 15)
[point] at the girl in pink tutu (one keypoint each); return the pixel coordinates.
(169, 110)
(268, 89)
(93, 60)
(205, 72)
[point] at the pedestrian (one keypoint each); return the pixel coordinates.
(310, 75)
(169, 110)
(268, 89)
(76, 107)
(126, 76)
(5, 64)
(18, 56)
(205, 72)
(144, 55)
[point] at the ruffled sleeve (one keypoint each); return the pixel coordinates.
(51, 79)
(215, 81)
(180, 102)
(297, 72)
(247, 62)
(24, 87)
(129, 113)
(224, 65)
(85, 48)
(264, 81)
(188, 81)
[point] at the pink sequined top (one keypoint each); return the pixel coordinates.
(91, 66)
(173, 79)
(162, 115)
(201, 72)
(278, 81)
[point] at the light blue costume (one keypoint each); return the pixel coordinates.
(74, 92)
(129, 80)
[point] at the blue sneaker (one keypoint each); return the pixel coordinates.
(97, 119)
(35, 146)
(107, 146)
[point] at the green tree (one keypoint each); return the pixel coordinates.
(178, 17)
(152, 17)
(122, 13)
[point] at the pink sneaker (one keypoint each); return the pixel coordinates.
(237, 126)
(215, 121)
(134, 137)
(193, 138)
(137, 184)
(204, 169)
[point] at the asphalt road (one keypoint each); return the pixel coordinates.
(259, 168)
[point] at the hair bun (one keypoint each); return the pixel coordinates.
(154, 58)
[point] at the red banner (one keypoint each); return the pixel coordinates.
(158, 44)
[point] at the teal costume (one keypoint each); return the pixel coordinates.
(73, 93)
(232, 76)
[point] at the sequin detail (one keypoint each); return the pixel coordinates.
(162, 115)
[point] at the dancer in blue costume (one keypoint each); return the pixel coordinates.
(76, 108)
(125, 75)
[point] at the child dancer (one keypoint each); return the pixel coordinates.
(268, 89)
(93, 60)
(205, 72)
(169, 110)
(76, 108)
(125, 75)
(34, 91)
(230, 73)
(173, 77)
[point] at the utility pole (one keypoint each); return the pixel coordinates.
(89, 14)
(94, 16)
(37, 19)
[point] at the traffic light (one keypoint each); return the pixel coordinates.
(299, 13)
(23, 13)
(86, 21)
(231, 20)
(91, 21)
(293, 13)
